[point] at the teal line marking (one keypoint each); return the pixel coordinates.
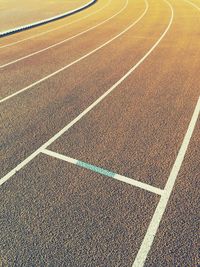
(95, 168)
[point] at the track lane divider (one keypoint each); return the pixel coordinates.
(45, 21)
(104, 172)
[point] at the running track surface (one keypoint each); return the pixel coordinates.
(13, 15)
(100, 138)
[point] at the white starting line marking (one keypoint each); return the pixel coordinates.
(160, 209)
(105, 172)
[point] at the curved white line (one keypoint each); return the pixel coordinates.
(81, 115)
(157, 217)
(65, 40)
(41, 22)
(78, 60)
(56, 28)
(194, 5)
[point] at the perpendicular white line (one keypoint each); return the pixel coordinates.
(88, 109)
(56, 28)
(78, 60)
(160, 209)
(115, 176)
(65, 40)
(41, 22)
(138, 184)
(59, 156)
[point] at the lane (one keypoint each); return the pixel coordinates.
(13, 15)
(68, 54)
(42, 115)
(161, 207)
(61, 42)
(178, 233)
(177, 240)
(34, 33)
(36, 41)
(40, 36)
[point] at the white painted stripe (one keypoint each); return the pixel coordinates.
(157, 217)
(94, 104)
(37, 23)
(118, 177)
(78, 60)
(153, 227)
(194, 5)
(56, 28)
(19, 167)
(59, 156)
(65, 40)
(141, 185)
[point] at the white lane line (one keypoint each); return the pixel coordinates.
(88, 109)
(154, 224)
(194, 5)
(157, 217)
(45, 21)
(79, 59)
(138, 184)
(97, 169)
(59, 156)
(65, 40)
(56, 28)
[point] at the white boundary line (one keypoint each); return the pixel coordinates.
(194, 5)
(41, 22)
(116, 176)
(157, 217)
(79, 59)
(56, 28)
(160, 209)
(65, 40)
(88, 109)
(59, 156)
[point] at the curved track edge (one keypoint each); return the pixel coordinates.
(42, 22)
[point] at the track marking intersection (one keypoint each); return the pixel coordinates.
(111, 174)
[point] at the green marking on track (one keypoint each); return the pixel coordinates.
(95, 168)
